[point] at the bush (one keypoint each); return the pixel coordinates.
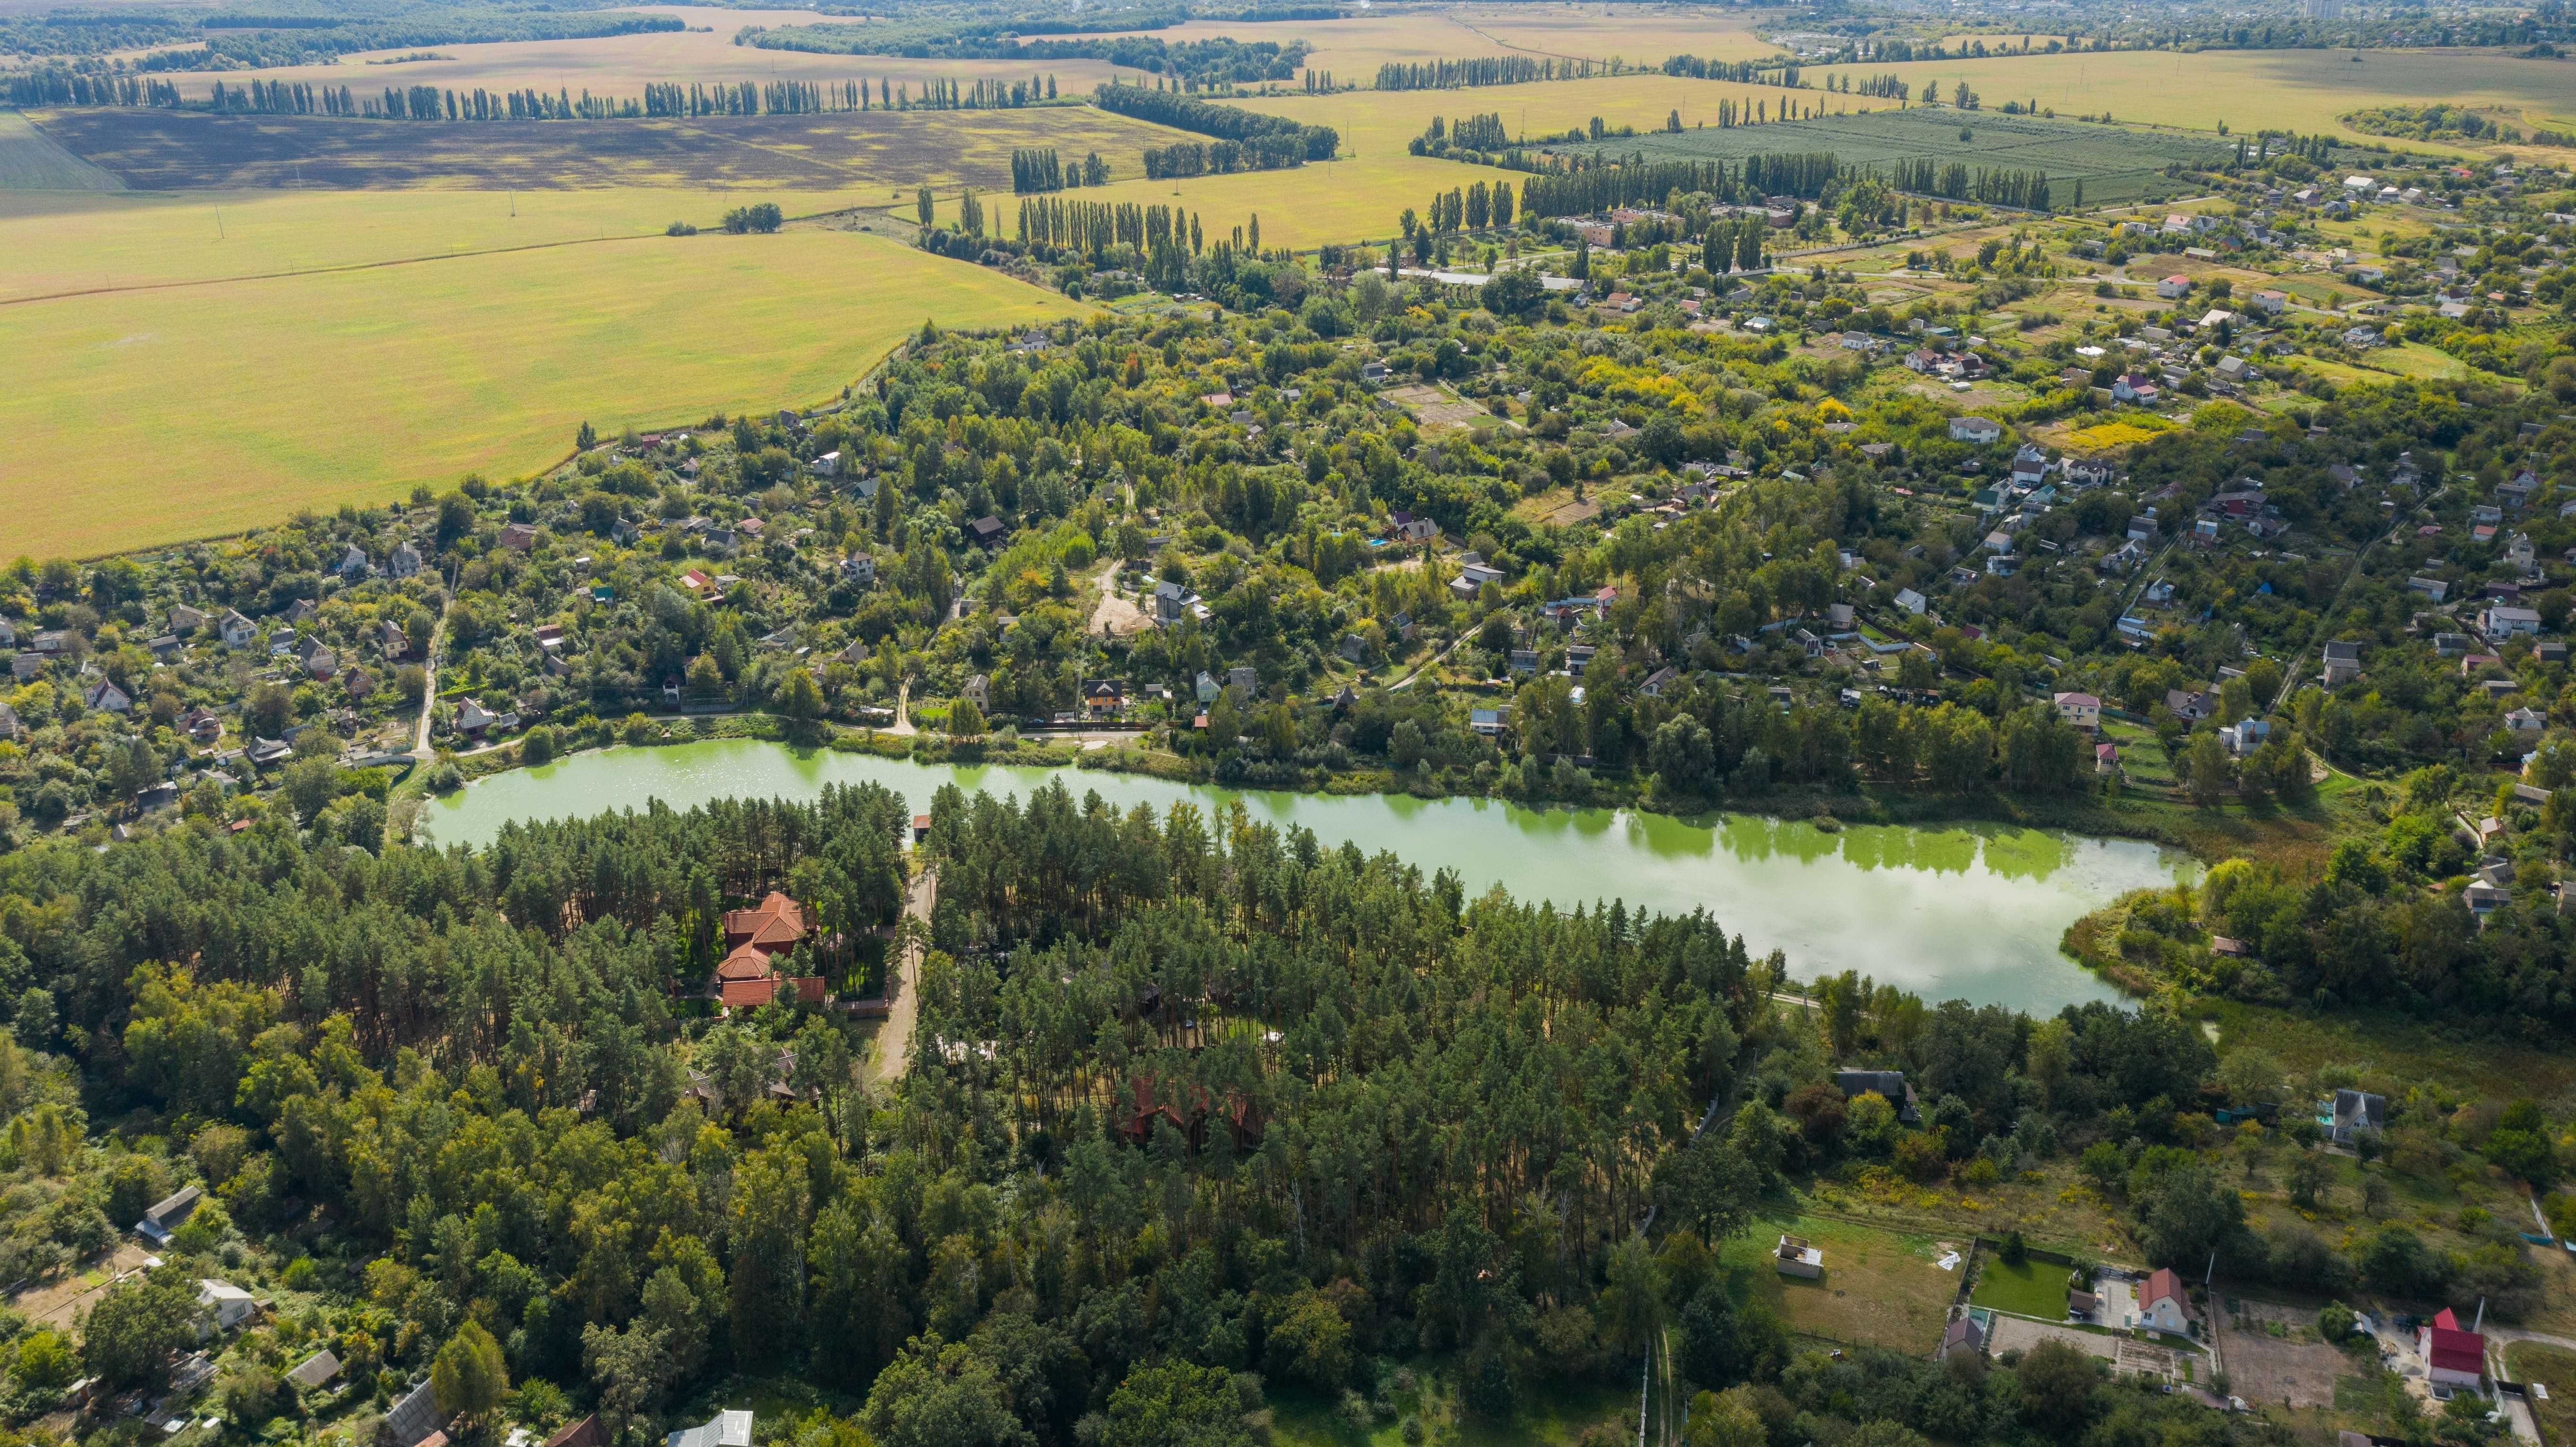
(2335, 1322)
(539, 747)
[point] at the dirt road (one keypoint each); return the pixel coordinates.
(894, 1042)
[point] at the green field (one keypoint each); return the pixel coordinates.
(2034, 1288)
(1880, 1287)
(196, 411)
(1338, 201)
(2554, 1368)
(30, 161)
(1378, 123)
(2114, 163)
(60, 242)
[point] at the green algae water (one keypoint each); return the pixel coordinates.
(1967, 912)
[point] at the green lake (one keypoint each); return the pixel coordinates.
(1967, 912)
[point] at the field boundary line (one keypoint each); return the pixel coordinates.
(323, 270)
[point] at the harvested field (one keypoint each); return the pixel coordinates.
(622, 65)
(164, 150)
(2114, 163)
(2300, 90)
(1352, 49)
(252, 399)
(2273, 1354)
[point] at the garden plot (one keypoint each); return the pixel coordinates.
(2274, 1354)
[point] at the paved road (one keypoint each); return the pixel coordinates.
(894, 1042)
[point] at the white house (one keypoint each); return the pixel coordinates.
(2506, 620)
(1979, 430)
(2163, 1304)
(2452, 1357)
(2174, 286)
(223, 1306)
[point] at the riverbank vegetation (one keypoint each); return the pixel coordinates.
(1183, 1137)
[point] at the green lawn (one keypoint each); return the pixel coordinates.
(2554, 1368)
(2034, 1288)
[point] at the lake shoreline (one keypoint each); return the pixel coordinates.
(2079, 813)
(1972, 909)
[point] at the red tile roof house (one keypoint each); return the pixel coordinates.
(754, 939)
(2163, 1305)
(2452, 1357)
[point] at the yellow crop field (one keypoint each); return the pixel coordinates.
(2301, 90)
(1375, 124)
(620, 65)
(143, 417)
(72, 242)
(2106, 436)
(1338, 202)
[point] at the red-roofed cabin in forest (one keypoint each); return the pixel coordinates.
(2452, 1357)
(1245, 1122)
(748, 974)
(776, 925)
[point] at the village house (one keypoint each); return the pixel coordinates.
(755, 940)
(2452, 1357)
(2083, 710)
(2342, 663)
(413, 1419)
(221, 1306)
(237, 631)
(2164, 1305)
(1889, 1085)
(1979, 430)
(725, 1429)
(519, 537)
(2351, 1113)
(167, 1214)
